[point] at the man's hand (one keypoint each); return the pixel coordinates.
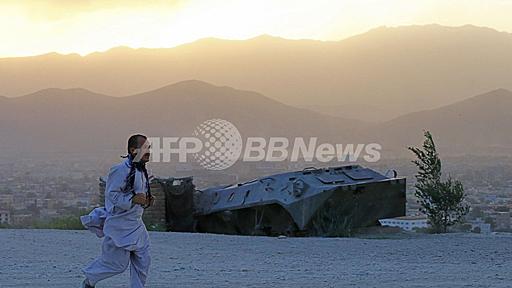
(140, 198)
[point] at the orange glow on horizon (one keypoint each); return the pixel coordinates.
(36, 27)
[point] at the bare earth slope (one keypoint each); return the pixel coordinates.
(49, 258)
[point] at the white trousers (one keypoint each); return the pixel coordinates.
(115, 260)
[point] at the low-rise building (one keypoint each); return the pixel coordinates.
(5, 217)
(502, 220)
(22, 219)
(479, 226)
(6, 201)
(408, 223)
(46, 214)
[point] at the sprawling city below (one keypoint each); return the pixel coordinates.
(36, 190)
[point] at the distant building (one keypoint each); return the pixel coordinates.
(408, 223)
(47, 214)
(502, 220)
(480, 226)
(5, 217)
(21, 219)
(491, 198)
(6, 200)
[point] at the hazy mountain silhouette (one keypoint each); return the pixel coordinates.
(399, 70)
(369, 113)
(73, 120)
(478, 125)
(78, 120)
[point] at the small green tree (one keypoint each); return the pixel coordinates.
(442, 201)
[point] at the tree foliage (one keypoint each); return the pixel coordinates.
(442, 201)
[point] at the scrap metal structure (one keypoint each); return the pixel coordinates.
(312, 202)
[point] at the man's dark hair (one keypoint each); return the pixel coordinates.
(133, 141)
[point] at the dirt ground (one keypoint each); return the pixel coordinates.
(51, 258)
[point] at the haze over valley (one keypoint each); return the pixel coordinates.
(375, 76)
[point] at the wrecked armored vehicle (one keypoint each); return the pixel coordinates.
(313, 202)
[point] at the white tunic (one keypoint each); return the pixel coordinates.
(122, 219)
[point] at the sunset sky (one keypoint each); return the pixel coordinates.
(34, 27)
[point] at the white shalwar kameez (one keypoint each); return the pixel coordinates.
(120, 222)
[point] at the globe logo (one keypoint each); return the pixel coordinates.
(222, 144)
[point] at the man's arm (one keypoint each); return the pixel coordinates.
(113, 190)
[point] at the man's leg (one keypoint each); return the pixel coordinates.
(113, 261)
(139, 267)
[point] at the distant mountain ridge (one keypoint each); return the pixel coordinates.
(399, 70)
(480, 123)
(78, 120)
(81, 120)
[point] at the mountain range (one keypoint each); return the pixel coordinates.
(376, 76)
(78, 120)
(81, 120)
